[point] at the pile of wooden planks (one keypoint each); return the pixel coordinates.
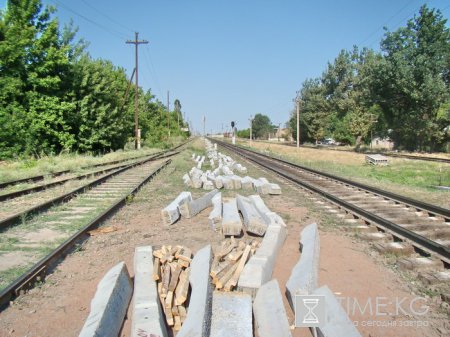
(171, 271)
(229, 261)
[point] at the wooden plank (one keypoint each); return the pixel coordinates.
(183, 263)
(228, 249)
(156, 269)
(160, 289)
(182, 312)
(166, 279)
(177, 325)
(224, 279)
(240, 266)
(226, 267)
(184, 254)
(183, 287)
(175, 311)
(236, 255)
(169, 300)
(169, 316)
(158, 253)
(175, 274)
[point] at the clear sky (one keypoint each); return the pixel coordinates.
(231, 59)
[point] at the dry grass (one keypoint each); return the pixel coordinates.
(411, 178)
(18, 169)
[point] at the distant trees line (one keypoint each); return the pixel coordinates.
(402, 93)
(54, 97)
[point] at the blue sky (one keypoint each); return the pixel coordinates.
(231, 59)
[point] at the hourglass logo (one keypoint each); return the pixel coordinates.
(309, 310)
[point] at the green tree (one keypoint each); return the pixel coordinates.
(244, 133)
(104, 121)
(34, 70)
(412, 81)
(261, 126)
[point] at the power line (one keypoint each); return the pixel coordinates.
(148, 58)
(409, 16)
(109, 30)
(393, 16)
(108, 17)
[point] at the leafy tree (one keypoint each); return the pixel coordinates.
(412, 81)
(104, 121)
(244, 133)
(34, 67)
(261, 126)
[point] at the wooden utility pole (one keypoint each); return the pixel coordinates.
(204, 124)
(251, 122)
(168, 112)
(136, 42)
(297, 102)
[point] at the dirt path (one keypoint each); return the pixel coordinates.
(60, 305)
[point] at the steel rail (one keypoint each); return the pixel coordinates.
(424, 243)
(41, 268)
(388, 154)
(15, 218)
(430, 209)
(56, 174)
(42, 187)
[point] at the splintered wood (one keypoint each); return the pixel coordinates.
(171, 271)
(229, 261)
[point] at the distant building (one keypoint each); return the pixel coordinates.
(382, 143)
(281, 135)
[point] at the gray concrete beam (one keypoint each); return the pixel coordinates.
(187, 180)
(192, 208)
(259, 268)
(270, 315)
(253, 221)
(247, 183)
(304, 276)
(215, 217)
(337, 323)
(110, 303)
(271, 218)
(198, 319)
(274, 189)
(231, 221)
(171, 212)
(232, 315)
(147, 319)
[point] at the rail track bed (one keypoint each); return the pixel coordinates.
(23, 183)
(416, 232)
(35, 237)
(387, 154)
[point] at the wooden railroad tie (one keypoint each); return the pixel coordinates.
(171, 271)
(229, 261)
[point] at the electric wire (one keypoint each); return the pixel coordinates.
(108, 17)
(109, 30)
(384, 25)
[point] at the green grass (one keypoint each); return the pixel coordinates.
(18, 169)
(8, 276)
(412, 178)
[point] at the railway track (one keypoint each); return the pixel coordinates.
(7, 190)
(387, 154)
(37, 178)
(15, 210)
(418, 231)
(41, 241)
